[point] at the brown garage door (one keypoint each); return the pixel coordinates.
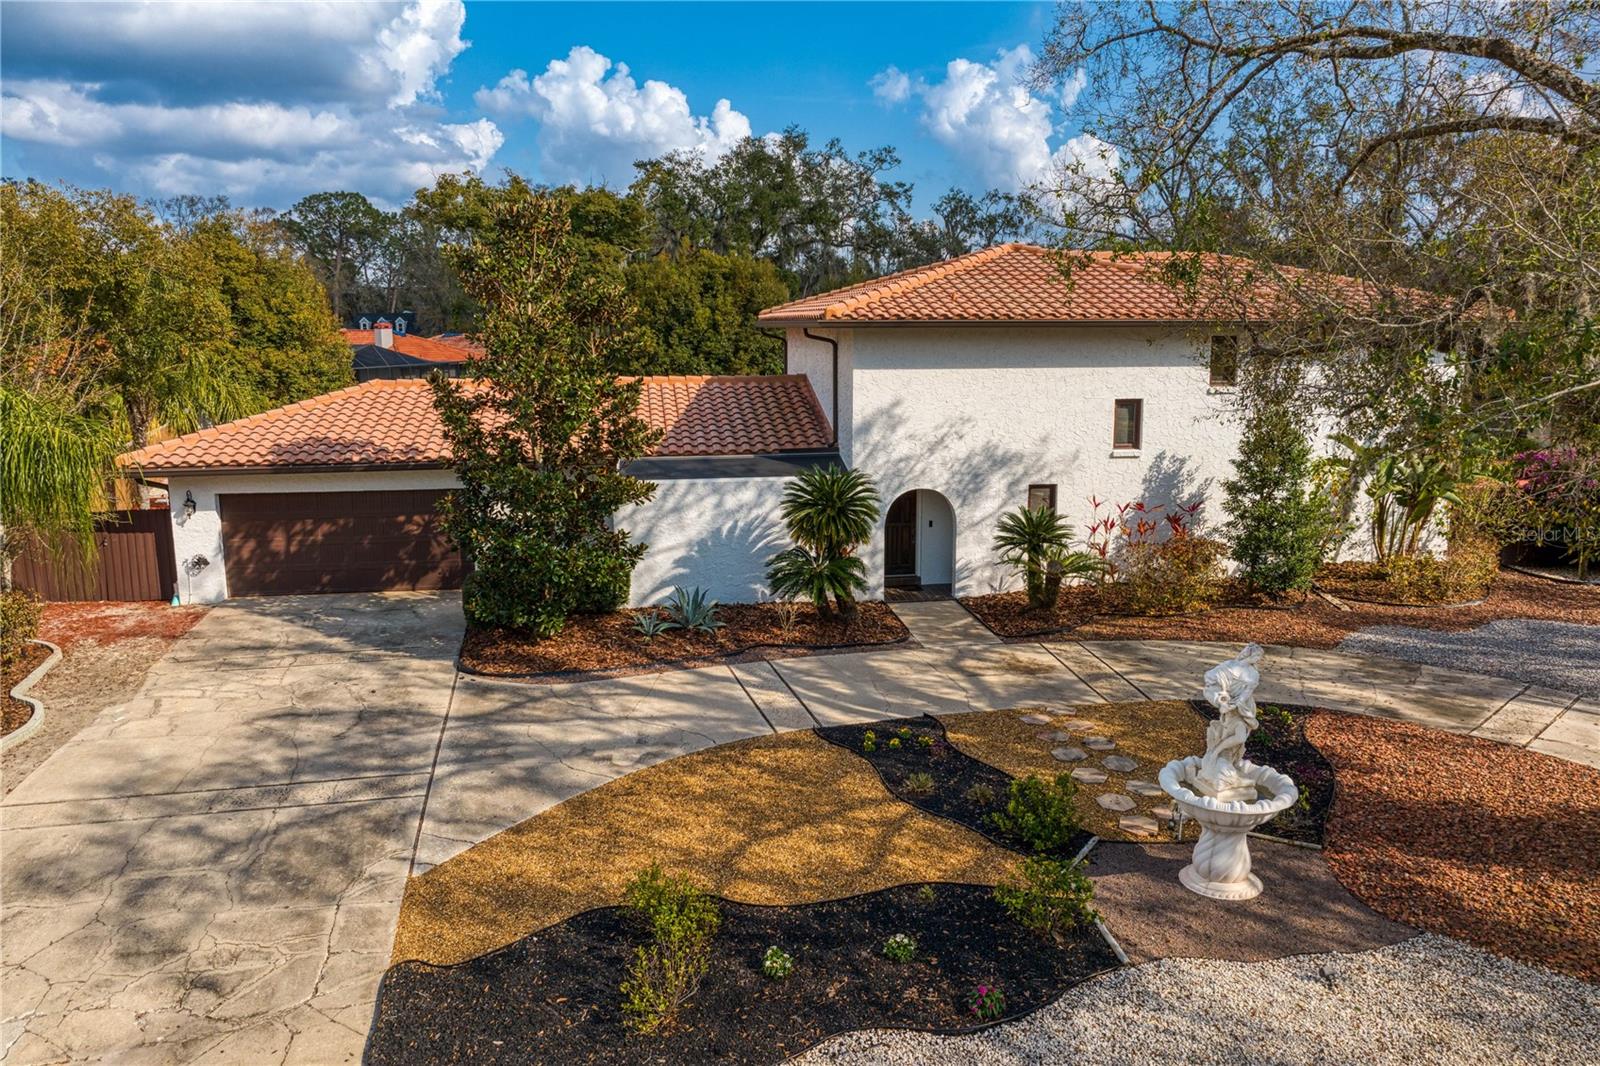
(277, 543)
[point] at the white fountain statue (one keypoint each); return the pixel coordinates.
(1224, 792)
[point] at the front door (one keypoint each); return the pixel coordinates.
(900, 543)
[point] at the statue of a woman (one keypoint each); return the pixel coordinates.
(1230, 687)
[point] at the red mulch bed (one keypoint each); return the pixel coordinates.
(1086, 612)
(65, 624)
(608, 643)
(13, 712)
(1365, 583)
(1487, 843)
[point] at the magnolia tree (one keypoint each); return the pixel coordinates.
(539, 438)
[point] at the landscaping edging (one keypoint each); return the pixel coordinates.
(28, 728)
(753, 653)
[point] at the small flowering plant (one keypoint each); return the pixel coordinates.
(988, 1003)
(899, 948)
(777, 963)
(869, 741)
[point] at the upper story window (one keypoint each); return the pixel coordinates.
(1041, 496)
(1127, 424)
(1224, 361)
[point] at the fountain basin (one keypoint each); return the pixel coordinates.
(1221, 865)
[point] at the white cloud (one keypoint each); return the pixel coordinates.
(262, 101)
(998, 128)
(891, 85)
(596, 120)
(417, 46)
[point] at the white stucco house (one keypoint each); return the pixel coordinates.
(966, 388)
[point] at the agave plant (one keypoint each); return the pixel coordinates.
(650, 624)
(692, 610)
(828, 512)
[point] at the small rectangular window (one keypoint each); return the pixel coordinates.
(1127, 424)
(1224, 360)
(1041, 496)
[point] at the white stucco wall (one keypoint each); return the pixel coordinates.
(814, 358)
(715, 534)
(201, 535)
(979, 413)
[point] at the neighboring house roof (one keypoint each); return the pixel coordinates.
(1027, 283)
(392, 424)
(428, 348)
(466, 343)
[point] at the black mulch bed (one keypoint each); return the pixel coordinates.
(1281, 744)
(553, 997)
(954, 773)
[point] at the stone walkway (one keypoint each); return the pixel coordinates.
(212, 869)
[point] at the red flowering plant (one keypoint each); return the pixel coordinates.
(988, 1002)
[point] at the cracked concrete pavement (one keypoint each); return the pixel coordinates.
(211, 870)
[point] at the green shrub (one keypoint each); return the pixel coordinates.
(917, 784)
(1174, 576)
(777, 963)
(927, 894)
(899, 948)
(1049, 896)
(1278, 521)
(19, 623)
(666, 973)
(1465, 573)
(1039, 813)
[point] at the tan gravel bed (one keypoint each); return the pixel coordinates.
(1426, 1000)
(1151, 732)
(783, 819)
(1481, 841)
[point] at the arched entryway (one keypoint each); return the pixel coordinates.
(919, 542)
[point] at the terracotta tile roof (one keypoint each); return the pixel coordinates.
(1025, 283)
(429, 348)
(393, 424)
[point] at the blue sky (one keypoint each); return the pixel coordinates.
(267, 102)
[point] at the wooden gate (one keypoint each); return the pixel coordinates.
(135, 561)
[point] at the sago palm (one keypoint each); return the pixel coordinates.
(828, 512)
(1030, 539)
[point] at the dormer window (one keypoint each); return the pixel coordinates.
(400, 327)
(365, 323)
(1224, 361)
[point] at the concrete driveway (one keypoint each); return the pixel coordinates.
(212, 870)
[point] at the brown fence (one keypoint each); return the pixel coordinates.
(135, 561)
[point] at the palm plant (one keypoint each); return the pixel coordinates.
(1036, 542)
(1404, 492)
(829, 512)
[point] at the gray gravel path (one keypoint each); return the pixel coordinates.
(1428, 999)
(1559, 655)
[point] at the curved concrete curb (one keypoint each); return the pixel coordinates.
(28, 728)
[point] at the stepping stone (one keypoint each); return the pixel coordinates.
(1069, 754)
(1115, 801)
(1139, 824)
(1099, 743)
(1055, 737)
(1120, 764)
(1088, 775)
(1078, 725)
(1147, 789)
(1163, 813)
(1035, 719)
